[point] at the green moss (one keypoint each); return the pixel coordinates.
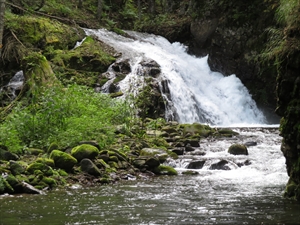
(196, 129)
(47, 161)
(52, 147)
(165, 170)
(37, 166)
(41, 32)
(63, 160)
(35, 151)
(49, 181)
(84, 151)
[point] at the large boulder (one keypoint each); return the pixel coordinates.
(63, 160)
(89, 167)
(238, 149)
(84, 151)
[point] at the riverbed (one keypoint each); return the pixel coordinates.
(245, 194)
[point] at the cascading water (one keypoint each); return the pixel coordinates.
(197, 94)
(14, 86)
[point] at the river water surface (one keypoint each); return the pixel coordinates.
(250, 194)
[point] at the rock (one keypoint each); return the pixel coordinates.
(238, 149)
(220, 166)
(152, 163)
(89, 167)
(45, 169)
(178, 151)
(161, 154)
(94, 143)
(84, 151)
(165, 170)
(189, 148)
(196, 164)
(196, 129)
(7, 155)
(29, 189)
(250, 143)
(16, 168)
(63, 160)
(35, 151)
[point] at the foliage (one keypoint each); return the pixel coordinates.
(64, 116)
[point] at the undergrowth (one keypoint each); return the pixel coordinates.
(64, 116)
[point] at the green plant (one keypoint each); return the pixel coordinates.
(65, 116)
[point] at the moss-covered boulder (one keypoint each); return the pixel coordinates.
(63, 160)
(165, 170)
(84, 151)
(196, 129)
(16, 168)
(41, 32)
(37, 166)
(161, 154)
(238, 149)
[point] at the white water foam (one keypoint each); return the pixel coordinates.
(197, 93)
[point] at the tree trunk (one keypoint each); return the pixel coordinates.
(80, 4)
(139, 9)
(99, 9)
(2, 11)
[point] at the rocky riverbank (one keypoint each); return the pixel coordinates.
(136, 154)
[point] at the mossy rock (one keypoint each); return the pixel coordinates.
(63, 160)
(52, 147)
(49, 181)
(41, 32)
(165, 170)
(7, 155)
(35, 151)
(159, 153)
(227, 132)
(84, 151)
(16, 168)
(238, 149)
(47, 161)
(37, 166)
(5, 187)
(196, 129)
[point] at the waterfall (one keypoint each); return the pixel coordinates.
(196, 93)
(14, 86)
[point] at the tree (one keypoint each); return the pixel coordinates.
(99, 9)
(2, 11)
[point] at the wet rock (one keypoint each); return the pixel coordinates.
(238, 149)
(84, 151)
(245, 163)
(164, 170)
(89, 167)
(222, 165)
(178, 151)
(250, 143)
(196, 164)
(152, 163)
(189, 148)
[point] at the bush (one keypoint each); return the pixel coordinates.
(64, 116)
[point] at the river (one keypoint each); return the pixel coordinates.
(250, 194)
